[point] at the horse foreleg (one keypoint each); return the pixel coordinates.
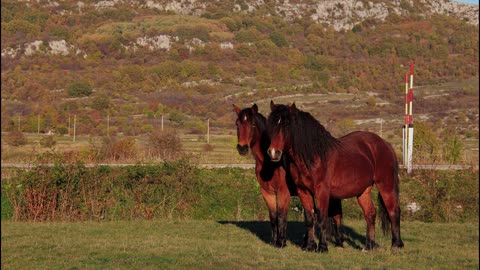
(322, 200)
(283, 203)
(308, 243)
(369, 212)
(271, 201)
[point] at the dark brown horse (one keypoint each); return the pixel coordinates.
(326, 167)
(275, 181)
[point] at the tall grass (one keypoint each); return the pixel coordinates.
(69, 191)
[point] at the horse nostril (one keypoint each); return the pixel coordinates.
(242, 149)
(274, 154)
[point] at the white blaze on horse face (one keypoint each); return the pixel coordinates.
(279, 120)
(245, 118)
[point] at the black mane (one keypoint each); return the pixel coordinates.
(308, 138)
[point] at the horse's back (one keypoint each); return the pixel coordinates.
(368, 141)
(373, 147)
(360, 159)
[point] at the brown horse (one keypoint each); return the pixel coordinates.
(326, 167)
(276, 184)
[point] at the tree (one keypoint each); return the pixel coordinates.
(101, 102)
(79, 89)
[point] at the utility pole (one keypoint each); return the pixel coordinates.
(162, 122)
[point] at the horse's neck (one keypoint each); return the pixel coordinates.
(259, 149)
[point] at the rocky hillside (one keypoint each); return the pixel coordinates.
(132, 61)
(341, 14)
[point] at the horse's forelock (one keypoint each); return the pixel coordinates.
(256, 119)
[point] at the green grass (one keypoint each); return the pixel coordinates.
(192, 244)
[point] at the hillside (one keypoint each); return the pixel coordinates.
(133, 61)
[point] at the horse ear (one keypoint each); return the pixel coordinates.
(236, 109)
(293, 107)
(255, 108)
(272, 105)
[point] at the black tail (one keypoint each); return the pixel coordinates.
(386, 224)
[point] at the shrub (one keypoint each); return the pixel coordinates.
(101, 102)
(452, 149)
(16, 138)
(208, 147)
(79, 89)
(278, 39)
(61, 130)
(47, 141)
(165, 144)
(426, 144)
(118, 149)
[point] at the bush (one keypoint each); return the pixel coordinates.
(165, 144)
(118, 149)
(47, 141)
(278, 39)
(101, 102)
(16, 138)
(79, 89)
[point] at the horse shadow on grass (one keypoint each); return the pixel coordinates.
(295, 232)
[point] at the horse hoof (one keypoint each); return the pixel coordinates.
(309, 247)
(398, 244)
(322, 249)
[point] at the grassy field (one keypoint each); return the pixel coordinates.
(193, 244)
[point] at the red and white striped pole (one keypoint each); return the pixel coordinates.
(410, 122)
(405, 127)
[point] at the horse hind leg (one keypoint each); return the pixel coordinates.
(369, 213)
(308, 243)
(334, 227)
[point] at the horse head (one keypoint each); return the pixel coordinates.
(279, 122)
(246, 127)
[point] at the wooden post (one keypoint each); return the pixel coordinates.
(162, 122)
(208, 131)
(69, 126)
(381, 127)
(38, 124)
(108, 125)
(74, 126)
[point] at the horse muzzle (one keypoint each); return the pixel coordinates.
(242, 149)
(275, 154)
